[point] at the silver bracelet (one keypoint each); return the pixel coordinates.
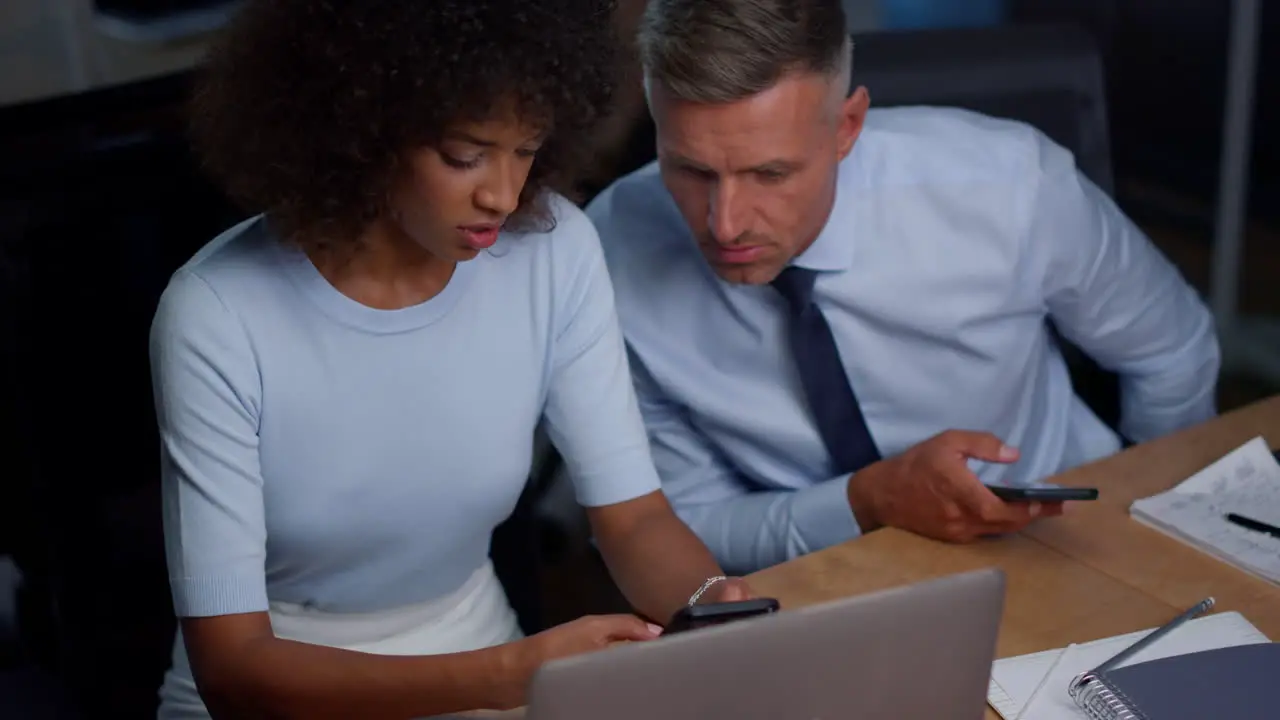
(705, 586)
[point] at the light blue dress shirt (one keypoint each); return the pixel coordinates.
(953, 238)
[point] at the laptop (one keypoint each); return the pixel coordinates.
(918, 651)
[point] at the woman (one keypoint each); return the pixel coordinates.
(348, 383)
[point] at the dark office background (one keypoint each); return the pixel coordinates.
(100, 201)
(1166, 61)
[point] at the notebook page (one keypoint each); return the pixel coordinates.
(1013, 680)
(1245, 481)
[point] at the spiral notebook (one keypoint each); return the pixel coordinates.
(1015, 680)
(1236, 682)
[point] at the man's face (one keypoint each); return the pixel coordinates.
(755, 178)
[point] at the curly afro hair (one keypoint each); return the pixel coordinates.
(306, 109)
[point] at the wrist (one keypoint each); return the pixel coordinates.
(513, 664)
(708, 589)
(862, 498)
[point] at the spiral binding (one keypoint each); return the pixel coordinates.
(1098, 701)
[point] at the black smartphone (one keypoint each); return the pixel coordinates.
(1043, 493)
(697, 616)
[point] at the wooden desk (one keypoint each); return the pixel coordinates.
(1090, 574)
(1105, 538)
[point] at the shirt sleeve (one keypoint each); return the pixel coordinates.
(1111, 292)
(207, 390)
(591, 413)
(746, 528)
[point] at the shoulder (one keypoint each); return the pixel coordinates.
(638, 195)
(637, 214)
(643, 235)
(198, 307)
(240, 255)
(942, 145)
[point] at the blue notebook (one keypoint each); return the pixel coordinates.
(1241, 683)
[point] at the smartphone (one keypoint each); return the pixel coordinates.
(1043, 493)
(697, 616)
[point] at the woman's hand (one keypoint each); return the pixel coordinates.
(732, 589)
(594, 632)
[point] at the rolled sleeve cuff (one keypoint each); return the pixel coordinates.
(208, 596)
(632, 475)
(823, 515)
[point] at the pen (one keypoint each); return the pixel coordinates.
(1255, 525)
(1201, 607)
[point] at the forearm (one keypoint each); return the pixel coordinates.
(274, 678)
(658, 563)
(755, 530)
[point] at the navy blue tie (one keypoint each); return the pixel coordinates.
(826, 385)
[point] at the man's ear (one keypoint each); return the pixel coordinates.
(853, 111)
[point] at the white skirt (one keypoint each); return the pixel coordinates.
(476, 615)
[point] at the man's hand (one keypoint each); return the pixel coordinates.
(929, 490)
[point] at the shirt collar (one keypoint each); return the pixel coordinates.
(832, 250)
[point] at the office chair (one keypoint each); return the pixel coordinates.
(1049, 76)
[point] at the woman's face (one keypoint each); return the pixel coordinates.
(455, 196)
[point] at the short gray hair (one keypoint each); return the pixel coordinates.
(718, 51)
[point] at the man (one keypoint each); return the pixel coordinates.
(837, 317)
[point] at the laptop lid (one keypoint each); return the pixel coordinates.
(918, 651)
